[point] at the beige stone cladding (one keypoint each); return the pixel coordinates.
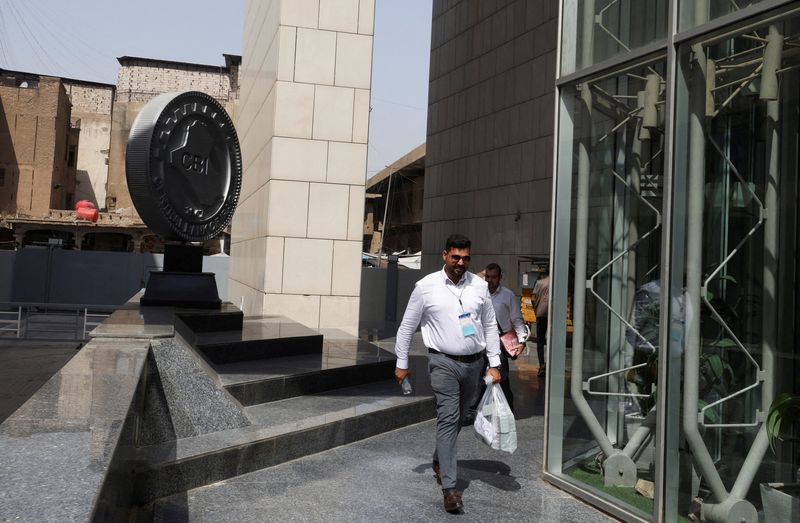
(489, 165)
(34, 138)
(141, 79)
(91, 112)
(304, 114)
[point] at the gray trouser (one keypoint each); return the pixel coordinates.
(455, 385)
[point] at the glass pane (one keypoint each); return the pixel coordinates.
(735, 258)
(608, 234)
(595, 30)
(698, 12)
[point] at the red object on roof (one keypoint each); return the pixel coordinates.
(86, 210)
(84, 204)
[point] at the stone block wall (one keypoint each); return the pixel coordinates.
(489, 165)
(34, 129)
(304, 115)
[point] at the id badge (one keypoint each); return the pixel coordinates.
(467, 327)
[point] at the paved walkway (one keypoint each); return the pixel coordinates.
(389, 478)
(27, 365)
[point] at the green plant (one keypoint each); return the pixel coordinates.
(785, 409)
(716, 377)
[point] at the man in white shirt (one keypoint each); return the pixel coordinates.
(507, 312)
(455, 311)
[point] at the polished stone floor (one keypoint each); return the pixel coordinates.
(25, 365)
(388, 478)
(335, 354)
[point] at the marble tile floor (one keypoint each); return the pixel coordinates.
(254, 329)
(346, 401)
(389, 478)
(25, 365)
(335, 354)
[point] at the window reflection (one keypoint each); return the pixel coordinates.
(595, 30)
(607, 441)
(738, 350)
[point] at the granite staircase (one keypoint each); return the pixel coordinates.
(227, 396)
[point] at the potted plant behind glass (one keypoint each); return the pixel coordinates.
(781, 500)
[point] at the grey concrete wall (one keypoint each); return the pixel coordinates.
(36, 274)
(489, 163)
(6, 270)
(372, 311)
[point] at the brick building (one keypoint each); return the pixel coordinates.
(38, 145)
(400, 187)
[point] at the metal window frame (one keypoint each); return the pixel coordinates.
(667, 434)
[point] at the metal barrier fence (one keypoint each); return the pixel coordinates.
(10, 321)
(51, 321)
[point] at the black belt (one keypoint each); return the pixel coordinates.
(466, 358)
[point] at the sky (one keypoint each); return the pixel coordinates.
(81, 39)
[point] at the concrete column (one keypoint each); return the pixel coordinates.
(19, 237)
(296, 237)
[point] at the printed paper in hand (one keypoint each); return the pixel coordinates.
(509, 340)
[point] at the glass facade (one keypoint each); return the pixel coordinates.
(694, 13)
(675, 255)
(595, 30)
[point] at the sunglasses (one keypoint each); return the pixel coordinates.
(456, 258)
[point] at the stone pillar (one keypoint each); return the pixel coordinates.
(303, 121)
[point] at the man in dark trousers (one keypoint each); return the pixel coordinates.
(509, 318)
(541, 304)
(454, 308)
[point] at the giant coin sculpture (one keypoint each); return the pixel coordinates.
(184, 170)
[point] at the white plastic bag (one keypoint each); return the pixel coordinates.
(494, 422)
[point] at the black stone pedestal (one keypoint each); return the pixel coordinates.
(181, 283)
(182, 289)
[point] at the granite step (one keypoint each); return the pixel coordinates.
(227, 318)
(257, 339)
(341, 363)
(281, 431)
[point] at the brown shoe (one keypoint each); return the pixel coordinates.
(436, 472)
(542, 370)
(452, 501)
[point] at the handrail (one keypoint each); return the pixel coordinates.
(29, 320)
(16, 321)
(64, 306)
